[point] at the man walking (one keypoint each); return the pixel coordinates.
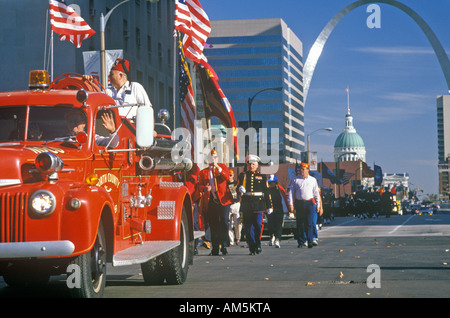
(304, 198)
(216, 201)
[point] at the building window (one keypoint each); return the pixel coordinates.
(138, 38)
(160, 56)
(149, 49)
(125, 33)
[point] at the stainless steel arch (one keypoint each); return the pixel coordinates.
(316, 49)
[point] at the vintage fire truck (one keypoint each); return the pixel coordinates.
(70, 205)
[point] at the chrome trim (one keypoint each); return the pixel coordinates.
(166, 210)
(8, 182)
(36, 249)
(35, 194)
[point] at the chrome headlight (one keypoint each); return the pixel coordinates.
(42, 202)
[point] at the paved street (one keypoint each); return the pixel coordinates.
(411, 252)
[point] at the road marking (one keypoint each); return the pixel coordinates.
(332, 227)
(399, 226)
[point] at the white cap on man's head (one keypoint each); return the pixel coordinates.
(252, 158)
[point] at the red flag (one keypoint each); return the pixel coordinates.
(68, 24)
(367, 172)
(192, 21)
(215, 102)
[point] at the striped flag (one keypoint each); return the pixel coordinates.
(183, 21)
(186, 97)
(194, 23)
(68, 24)
(347, 176)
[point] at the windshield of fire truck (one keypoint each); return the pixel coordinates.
(45, 122)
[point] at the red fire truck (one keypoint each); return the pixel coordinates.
(69, 204)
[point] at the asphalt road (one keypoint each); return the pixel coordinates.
(401, 256)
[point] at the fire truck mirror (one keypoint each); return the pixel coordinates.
(144, 126)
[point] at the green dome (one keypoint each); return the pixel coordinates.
(348, 139)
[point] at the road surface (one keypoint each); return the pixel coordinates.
(401, 256)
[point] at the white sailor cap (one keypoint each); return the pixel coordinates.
(252, 158)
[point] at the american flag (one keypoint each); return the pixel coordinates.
(186, 97)
(68, 24)
(194, 23)
(347, 176)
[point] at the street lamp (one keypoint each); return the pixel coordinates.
(250, 101)
(308, 138)
(103, 21)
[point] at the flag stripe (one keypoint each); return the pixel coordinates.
(68, 24)
(191, 19)
(182, 17)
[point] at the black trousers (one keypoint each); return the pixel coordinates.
(305, 220)
(218, 219)
(275, 224)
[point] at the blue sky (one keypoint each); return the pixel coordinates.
(392, 73)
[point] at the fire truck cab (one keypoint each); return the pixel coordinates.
(70, 204)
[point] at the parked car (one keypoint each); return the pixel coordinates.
(289, 224)
(425, 210)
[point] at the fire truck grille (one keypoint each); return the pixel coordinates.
(13, 209)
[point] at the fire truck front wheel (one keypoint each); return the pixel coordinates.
(92, 269)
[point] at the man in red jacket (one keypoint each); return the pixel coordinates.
(216, 201)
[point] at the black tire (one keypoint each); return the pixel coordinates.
(92, 267)
(176, 261)
(152, 271)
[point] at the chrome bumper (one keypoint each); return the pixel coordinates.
(36, 249)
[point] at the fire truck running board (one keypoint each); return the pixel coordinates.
(150, 249)
(142, 253)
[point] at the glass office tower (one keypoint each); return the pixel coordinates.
(262, 59)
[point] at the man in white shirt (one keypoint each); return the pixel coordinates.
(125, 92)
(304, 198)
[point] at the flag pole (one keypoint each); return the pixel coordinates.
(175, 51)
(348, 100)
(51, 56)
(45, 40)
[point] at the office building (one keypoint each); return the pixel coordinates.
(262, 59)
(443, 135)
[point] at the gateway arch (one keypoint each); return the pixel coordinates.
(316, 49)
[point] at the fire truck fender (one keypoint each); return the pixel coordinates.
(181, 198)
(80, 224)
